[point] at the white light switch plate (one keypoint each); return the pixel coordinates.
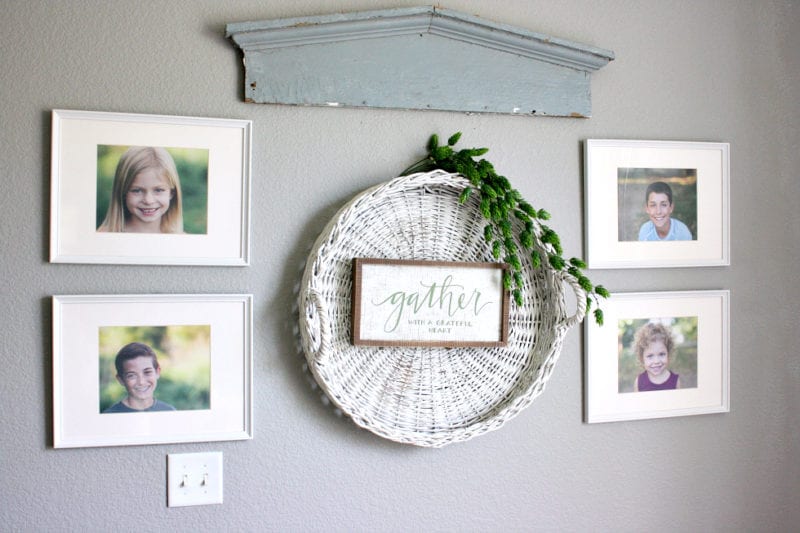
(194, 479)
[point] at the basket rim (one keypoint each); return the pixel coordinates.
(314, 315)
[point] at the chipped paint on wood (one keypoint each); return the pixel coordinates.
(416, 58)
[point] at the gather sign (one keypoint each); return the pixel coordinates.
(429, 303)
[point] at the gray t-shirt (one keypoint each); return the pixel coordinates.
(120, 407)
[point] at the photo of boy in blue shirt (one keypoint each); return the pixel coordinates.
(659, 207)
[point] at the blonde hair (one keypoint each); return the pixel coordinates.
(137, 159)
(649, 333)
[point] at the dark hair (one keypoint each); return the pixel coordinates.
(658, 187)
(132, 351)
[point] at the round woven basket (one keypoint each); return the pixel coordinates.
(426, 396)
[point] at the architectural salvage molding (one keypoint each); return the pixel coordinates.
(415, 58)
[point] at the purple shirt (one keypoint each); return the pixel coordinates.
(645, 384)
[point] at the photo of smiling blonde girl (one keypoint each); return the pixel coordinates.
(146, 194)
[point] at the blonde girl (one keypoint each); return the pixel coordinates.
(146, 195)
(653, 344)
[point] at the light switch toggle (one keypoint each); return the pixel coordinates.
(194, 479)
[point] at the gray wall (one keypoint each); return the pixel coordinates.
(704, 70)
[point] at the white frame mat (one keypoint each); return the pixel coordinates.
(710, 161)
(605, 402)
(77, 320)
(74, 238)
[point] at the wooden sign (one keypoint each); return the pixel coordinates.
(429, 303)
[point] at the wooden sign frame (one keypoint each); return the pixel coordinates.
(429, 303)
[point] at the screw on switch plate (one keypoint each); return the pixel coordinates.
(194, 479)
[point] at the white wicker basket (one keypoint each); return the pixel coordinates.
(426, 396)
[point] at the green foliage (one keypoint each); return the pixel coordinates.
(498, 203)
(192, 167)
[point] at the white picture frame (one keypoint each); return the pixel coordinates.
(617, 176)
(211, 373)
(400, 302)
(214, 205)
(697, 323)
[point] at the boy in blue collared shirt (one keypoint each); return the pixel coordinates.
(659, 207)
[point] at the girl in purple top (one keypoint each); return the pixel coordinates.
(653, 344)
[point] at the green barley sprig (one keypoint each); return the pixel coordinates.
(498, 203)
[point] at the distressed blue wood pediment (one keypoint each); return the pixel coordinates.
(415, 58)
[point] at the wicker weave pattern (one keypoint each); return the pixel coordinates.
(425, 396)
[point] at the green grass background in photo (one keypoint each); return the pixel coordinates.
(192, 166)
(184, 355)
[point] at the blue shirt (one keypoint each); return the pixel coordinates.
(677, 232)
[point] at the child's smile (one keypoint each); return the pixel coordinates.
(140, 378)
(655, 359)
(659, 209)
(147, 200)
